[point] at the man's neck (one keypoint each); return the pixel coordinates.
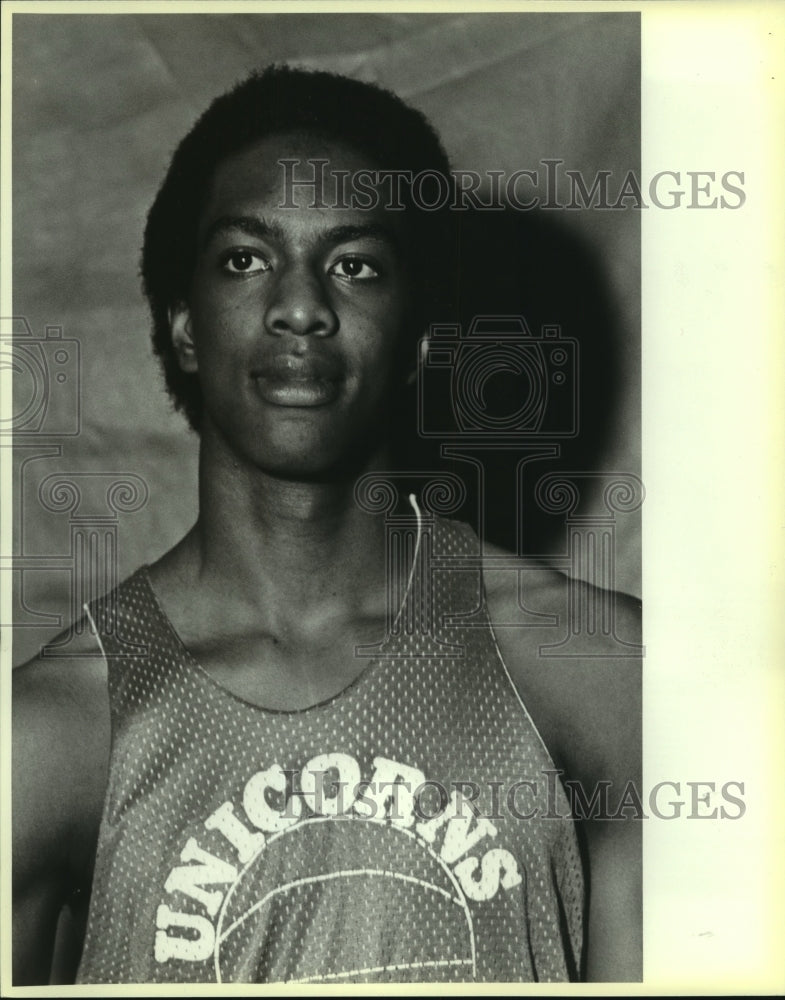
(289, 547)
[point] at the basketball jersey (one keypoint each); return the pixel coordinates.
(412, 828)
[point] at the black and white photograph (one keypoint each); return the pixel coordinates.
(336, 628)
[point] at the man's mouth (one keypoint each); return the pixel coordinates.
(292, 380)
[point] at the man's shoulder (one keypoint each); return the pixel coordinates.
(60, 694)
(573, 653)
(523, 587)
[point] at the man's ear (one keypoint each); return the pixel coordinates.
(180, 326)
(421, 356)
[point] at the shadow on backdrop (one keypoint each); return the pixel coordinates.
(492, 392)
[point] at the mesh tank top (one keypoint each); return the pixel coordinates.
(412, 828)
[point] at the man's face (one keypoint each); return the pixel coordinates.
(295, 316)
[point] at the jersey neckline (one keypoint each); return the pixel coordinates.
(370, 667)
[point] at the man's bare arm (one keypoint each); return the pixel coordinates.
(59, 759)
(609, 741)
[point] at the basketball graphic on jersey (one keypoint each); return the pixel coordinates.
(404, 915)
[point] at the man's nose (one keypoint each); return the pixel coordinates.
(299, 305)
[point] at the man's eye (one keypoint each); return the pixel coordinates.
(244, 262)
(354, 269)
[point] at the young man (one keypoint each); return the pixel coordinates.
(232, 791)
